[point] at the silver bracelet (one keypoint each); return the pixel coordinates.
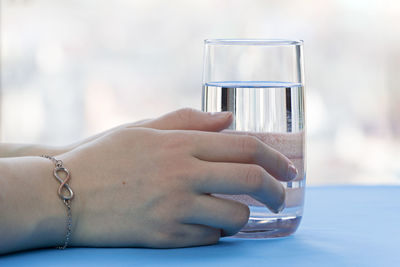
(65, 193)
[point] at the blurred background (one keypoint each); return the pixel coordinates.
(73, 68)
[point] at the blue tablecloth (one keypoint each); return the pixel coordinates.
(342, 226)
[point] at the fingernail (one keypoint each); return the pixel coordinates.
(281, 208)
(220, 115)
(292, 171)
(282, 198)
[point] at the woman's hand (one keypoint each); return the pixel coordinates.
(182, 119)
(152, 188)
(137, 186)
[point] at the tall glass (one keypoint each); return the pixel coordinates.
(262, 83)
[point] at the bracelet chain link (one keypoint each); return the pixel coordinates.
(65, 193)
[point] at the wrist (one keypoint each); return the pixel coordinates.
(23, 150)
(50, 220)
(33, 215)
(78, 181)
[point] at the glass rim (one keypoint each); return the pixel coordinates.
(264, 42)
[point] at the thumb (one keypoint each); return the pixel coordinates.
(191, 119)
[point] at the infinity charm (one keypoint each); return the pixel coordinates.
(63, 183)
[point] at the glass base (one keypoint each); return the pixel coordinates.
(263, 225)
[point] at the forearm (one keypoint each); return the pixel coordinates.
(8, 150)
(31, 214)
(21, 150)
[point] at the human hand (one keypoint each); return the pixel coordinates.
(181, 119)
(152, 188)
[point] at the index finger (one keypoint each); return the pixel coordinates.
(220, 147)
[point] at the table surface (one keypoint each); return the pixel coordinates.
(342, 226)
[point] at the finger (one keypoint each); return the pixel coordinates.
(191, 119)
(139, 123)
(243, 149)
(290, 143)
(109, 131)
(183, 119)
(236, 179)
(189, 235)
(225, 214)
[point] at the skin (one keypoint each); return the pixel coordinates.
(146, 184)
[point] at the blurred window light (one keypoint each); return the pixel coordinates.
(70, 69)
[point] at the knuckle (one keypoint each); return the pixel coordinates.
(119, 133)
(170, 235)
(127, 134)
(164, 240)
(213, 237)
(241, 216)
(250, 145)
(253, 178)
(123, 135)
(176, 235)
(175, 140)
(185, 114)
(183, 205)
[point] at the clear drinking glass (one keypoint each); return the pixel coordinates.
(262, 83)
